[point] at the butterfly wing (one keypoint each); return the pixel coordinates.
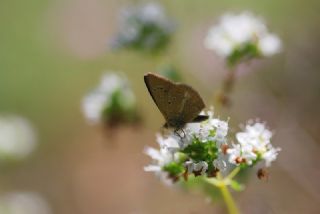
(159, 89)
(191, 105)
(178, 103)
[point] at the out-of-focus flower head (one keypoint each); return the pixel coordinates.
(253, 145)
(145, 28)
(23, 203)
(17, 138)
(112, 101)
(242, 37)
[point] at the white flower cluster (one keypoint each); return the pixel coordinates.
(101, 98)
(253, 145)
(23, 203)
(17, 137)
(234, 32)
(202, 149)
(171, 147)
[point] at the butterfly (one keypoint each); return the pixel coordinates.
(179, 103)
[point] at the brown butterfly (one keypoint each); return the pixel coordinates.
(178, 102)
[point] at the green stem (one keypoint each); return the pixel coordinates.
(231, 205)
(222, 184)
(233, 173)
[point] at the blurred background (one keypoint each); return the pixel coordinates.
(52, 52)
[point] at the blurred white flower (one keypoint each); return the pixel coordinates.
(113, 91)
(253, 143)
(23, 203)
(144, 27)
(243, 34)
(17, 137)
(269, 45)
(93, 105)
(111, 82)
(270, 155)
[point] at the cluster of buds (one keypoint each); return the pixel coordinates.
(145, 28)
(204, 149)
(242, 37)
(112, 101)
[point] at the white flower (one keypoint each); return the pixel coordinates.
(203, 131)
(235, 31)
(221, 128)
(160, 159)
(253, 142)
(144, 27)
(170, 143)
(111, 82)
(95, 102)
(256, 135)
(201, 166)
(23, 203)
(241, 154)
(172, 146)
(165, 155)
(220, 163)
(93, 105)
(269, 45)
(270, 155)
(17, 137)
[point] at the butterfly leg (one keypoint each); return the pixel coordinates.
(179, 134)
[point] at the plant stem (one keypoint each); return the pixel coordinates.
(223, 96)
(233, 173)
(222, 184)
(231, 205)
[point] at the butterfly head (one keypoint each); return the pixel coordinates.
(175, 123)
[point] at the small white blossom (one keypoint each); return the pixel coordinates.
(221, 128)
(270, 155)
(203, 131)
(201, 166)
(160, 159)
(17, 137)
(253, 142)
(165, 155)
(269, 45)
(241, 154)
(220, 163)
(236, 31)
(23, 203)
(96, 102)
